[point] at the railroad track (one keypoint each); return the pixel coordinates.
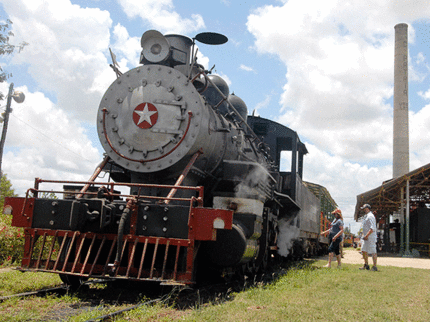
(180, 297)
(58, 290)
(186, 297)
(64, 289)
(111, 315)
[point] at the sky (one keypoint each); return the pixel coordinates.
(323, 68)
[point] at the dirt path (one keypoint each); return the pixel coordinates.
(5, 269)
(352, 256)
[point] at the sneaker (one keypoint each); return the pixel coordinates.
(374, 268)
(365, 267)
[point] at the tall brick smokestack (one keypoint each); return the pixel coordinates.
(401, 108)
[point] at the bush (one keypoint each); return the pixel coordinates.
(11, 242)
(11, 238)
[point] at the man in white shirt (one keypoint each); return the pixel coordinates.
(369, 238)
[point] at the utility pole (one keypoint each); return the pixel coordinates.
(19, 98)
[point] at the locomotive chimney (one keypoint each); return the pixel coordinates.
(400, 103)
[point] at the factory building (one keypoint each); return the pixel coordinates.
(401, 204)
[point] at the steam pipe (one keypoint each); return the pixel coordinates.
(130, 203)
(93, 177)
(183, 175)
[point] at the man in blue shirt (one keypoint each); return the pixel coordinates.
(369, 238)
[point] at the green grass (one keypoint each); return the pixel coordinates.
(69, 307)
(319, 294)
(330, 294)
(306, 293)
(12, 281)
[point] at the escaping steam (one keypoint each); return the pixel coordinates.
(255, 181)
(288, 232)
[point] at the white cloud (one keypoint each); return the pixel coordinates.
(418, 140)
(420, 58)
(202, 60)
(45, 143)
(128, 47)
(66, 51)
(339, 59)
(425, 95)
(338, 86)
(263, 104)
(246, 68)
(67, 58)
(160, 15)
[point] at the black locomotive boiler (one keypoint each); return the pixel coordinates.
(195, 183)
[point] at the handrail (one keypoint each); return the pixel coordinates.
(38, 181)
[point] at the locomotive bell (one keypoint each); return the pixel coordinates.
(180, 48)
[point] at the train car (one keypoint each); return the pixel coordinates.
(318, 246)
(195, 187)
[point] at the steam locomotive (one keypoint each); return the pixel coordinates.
(194, 188)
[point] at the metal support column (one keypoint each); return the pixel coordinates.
(407, 235)
(402, 222)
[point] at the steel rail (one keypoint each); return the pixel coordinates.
(116, 313)
(59, 289)
(38, 292)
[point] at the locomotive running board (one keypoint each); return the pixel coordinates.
(84, 254)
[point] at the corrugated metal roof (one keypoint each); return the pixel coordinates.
(386, 199)
(327, 202)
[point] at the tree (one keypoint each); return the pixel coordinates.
(47, 195)
(6, 48)
(5, 190)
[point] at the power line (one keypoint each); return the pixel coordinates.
(50, 138)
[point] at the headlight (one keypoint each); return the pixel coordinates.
(155, 47)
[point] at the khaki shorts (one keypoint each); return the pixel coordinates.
(369, 246)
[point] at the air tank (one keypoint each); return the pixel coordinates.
(213, 97)
(239, 105)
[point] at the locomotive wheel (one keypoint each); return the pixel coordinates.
(262, 260)
(265, 259)
(268, 238)
(73, 281)
(240, 276)
(298, 250)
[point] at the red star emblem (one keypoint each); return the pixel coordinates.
(145, 115)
